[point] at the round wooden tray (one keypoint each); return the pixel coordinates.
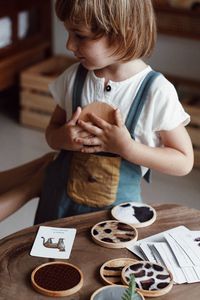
(101, 110)
(112, 292)
(134, 213)
(152, 280)
(111, 270)
(57, 279)
(114, 234)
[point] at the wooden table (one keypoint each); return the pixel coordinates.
(16, 264)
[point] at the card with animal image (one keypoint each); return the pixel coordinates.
(53, 242)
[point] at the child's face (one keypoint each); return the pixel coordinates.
(92, 53)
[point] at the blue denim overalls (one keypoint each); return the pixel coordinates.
(74, 174)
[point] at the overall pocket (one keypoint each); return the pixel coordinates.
(93, 179)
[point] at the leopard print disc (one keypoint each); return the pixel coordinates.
(114, 234)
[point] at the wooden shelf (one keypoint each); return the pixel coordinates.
(177, 21)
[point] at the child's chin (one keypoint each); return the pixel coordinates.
(89, 66)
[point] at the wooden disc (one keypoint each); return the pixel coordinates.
(114, 234)
(134, 213)
(57, 279)
(100, 109)
(111, 270)
(112, 292)
(152, 280)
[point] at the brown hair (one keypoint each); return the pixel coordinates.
(128, 23)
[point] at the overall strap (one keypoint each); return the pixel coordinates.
(139, 101)
(137, 106)
(78, 86)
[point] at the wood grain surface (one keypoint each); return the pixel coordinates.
(16, 264)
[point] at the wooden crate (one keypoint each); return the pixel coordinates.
(189, 94)
(177, 20)
(36, 102)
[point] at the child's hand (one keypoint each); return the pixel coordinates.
(72, 131)
(104, 136)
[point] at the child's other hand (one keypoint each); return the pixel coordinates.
(105, 137)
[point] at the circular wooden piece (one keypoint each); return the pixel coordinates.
(100, 109)
(112, 292)
(114, 234)
(152, 280)
(111, 270)
(134, 213)
(57, 279)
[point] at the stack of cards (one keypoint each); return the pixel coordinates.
(178, 249)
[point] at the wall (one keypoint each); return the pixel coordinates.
(177, 56)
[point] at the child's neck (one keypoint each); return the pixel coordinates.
(121, 71)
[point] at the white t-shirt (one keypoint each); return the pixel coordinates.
(162, 109)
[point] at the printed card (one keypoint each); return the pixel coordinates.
(195, 235)
(53, 242)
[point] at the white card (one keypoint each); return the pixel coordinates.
(170, 262)
(159, 237)
(147, 251)
(189, 246)
(181, 256)
(53, 242)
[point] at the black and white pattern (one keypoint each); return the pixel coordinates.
(137, 214)
(149, 277)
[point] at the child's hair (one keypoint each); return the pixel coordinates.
(130, 24)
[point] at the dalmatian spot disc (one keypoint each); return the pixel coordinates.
(152, 279)
(114, 234)
(134, 213)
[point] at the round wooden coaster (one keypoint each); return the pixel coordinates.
(57, 279)
(112, 292)
(114, 234)
(134, 213)
(111, 270)
(152, 280)
(100, 109)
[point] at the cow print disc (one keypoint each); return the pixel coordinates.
(152, 279)
(114, 234)
(136, 214)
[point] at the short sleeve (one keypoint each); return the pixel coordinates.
(168, 111)
(60, 87)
